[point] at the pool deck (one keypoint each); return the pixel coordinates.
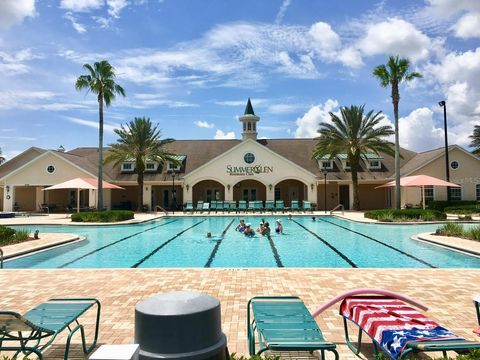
(448, 293)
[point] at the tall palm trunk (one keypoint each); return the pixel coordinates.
(140, 192)
(100, 152)
(395, 101)
(354, 170)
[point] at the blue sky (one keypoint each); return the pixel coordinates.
(191, 65)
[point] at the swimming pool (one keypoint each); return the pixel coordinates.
(328, 242)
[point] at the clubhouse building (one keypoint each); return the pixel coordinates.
(232, 170)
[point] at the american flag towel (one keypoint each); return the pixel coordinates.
(392, 323)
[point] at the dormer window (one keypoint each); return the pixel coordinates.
(374, 164)
(327, 164)
(127, 166)
(173, 167)
(150, 166)
(346, 164)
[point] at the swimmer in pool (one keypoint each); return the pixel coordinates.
(279, 227)
(248, 230)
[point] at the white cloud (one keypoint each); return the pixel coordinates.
(13, 63)
(350, 57)
(219, 135)
(418, 132)
(395, 36)
(81, 5)
(115, 7)
(282, 11)
(451, 7)
(283, 108)
(468, 26)
(13, 12)
(326, 41)
(77, 26)
(93, 124)
(22, 99)
(204, 124)
(307, 125)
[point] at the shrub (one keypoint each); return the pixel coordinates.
(6, 234)
(405, 215)
(22, 234)
(473, 233)
(11, 236)
(464, 209)
(450, 229)
(103, 216)
(441, 205)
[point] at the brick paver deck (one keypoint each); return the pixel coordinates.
(447, 292)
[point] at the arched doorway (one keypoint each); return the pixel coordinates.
(291, 189)
(249, 190)
(208, 190)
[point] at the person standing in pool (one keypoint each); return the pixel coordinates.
(248, 230)
(265, 229)
(241, 226)
(279, 227)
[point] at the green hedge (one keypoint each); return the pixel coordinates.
(389, 215)
(441, 205)
(463, 209)
(103, 216)
(11, 236)
(458, 230)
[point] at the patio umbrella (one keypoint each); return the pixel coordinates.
(81, 184)
(419, 181)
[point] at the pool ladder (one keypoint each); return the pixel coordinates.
(158, 207)
(1, 258)
(337, 207)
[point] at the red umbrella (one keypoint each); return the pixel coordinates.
(420, 181)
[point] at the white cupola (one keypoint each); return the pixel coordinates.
(249, 121)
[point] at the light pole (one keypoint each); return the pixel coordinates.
(325, 172)
(174, 200)
(447, 162)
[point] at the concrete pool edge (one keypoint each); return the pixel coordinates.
(451, 243)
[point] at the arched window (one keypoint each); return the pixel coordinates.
(249, 126)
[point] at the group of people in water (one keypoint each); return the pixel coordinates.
(263, 228)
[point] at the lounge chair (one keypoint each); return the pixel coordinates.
(242, 205)
(36, 330)
(408, 331)
(251, 206)
(206, 207)
(213, 206)
(307, 206)
(258, 205)
(283, 323)
(269, 205)
(226, 206)
(279, 206)
(199, 207)
(219, 206)
(294, 205)
(188, 207)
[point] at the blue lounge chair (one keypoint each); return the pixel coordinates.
(213, 206)
(251, 206)
(188, 207)
(242, 205)
(307, 206)
(226, 206)
(199, 207)
(280, 206)
(219, 206)
(294, 205)
(269, 205)
(283, 323)
(36, 330)
(258, 205)
(206, 206)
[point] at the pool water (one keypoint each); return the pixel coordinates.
(328, 242)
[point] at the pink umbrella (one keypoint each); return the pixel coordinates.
(81, 184)
(419, 181)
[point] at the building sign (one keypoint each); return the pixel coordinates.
(248, 170)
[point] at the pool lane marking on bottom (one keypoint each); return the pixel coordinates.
(384, 244)
(275, 251)
(113, 243)
(217, 245)
(145, 258)
(338, 252)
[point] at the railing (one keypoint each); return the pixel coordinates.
(336, 208)
(158, 207)
(1, 258)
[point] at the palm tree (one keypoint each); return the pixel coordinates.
(393, 73)
(356, 134)
(100, 81)
(140, 140)
(2, 159)
(475, 140)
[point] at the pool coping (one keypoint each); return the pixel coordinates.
(446, 242)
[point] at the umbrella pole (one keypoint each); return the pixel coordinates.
(78, 200)
(423, 197)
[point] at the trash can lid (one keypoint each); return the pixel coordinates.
(177, 303)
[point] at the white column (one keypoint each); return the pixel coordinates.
(270, 193)
(8, 198)
(39, 196)
(350, 196)
(147, 196)
(187, 193)
(312, 193)
(92, 197)
(228, 192)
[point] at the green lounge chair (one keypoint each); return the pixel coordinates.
(36, 330)
(280, 206)
(219, 206)
(294, 205)
(242, 205)
(251, 206)
(269, 205)
(283, 323)
(226, 206)
(199, 206)
(307, 206)
(205, 207)
(188, 207)
(258, 205)
(213, 206)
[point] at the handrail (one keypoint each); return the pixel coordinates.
(1, 258)
(161, 209)
(336, 207)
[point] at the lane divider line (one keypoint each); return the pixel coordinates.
(217, 245)
(275, 252)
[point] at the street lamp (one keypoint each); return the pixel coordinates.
(325, 172)
(173, 193)
(447, 170)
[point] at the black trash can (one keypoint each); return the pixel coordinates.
(180, 325)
